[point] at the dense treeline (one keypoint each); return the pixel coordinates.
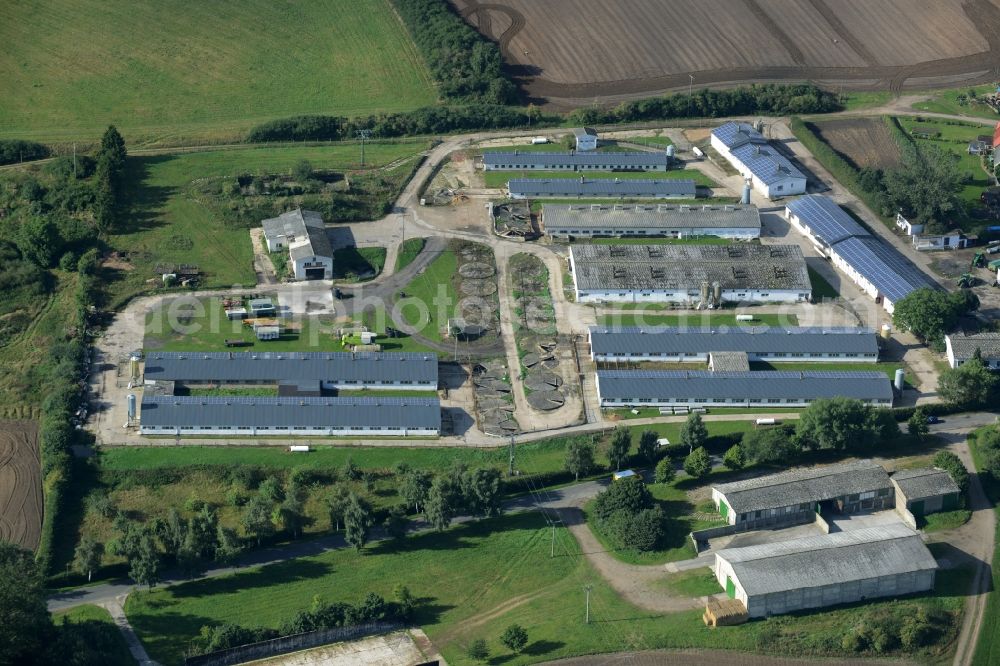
(428, 120)
(466, 66)
(15, 150)
(777, 99)
(770, 99)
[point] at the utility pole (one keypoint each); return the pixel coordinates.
(364, 134)
(74, 160)
(510, 470)
(587, 589)
(690, 87)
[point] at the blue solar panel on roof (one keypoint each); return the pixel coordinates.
(826, 219)
(890, 272)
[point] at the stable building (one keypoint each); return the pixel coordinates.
(303, 234)
(760, 344)
(960, 348)
(585, 138)
(771, 388)
(579, 161)
(826, 570)
(334, 370)
(602, 188)
(877, 268)
(706, 275)
(738, 222)
(771, 173)
(283, 416)
(795, 497)
(926, 490)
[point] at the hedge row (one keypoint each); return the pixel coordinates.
(13, 151)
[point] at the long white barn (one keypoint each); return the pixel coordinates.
(739, 222)
(770, 172)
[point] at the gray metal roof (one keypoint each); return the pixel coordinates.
(590, 158)
(602, 187)
(965, 346)
(666, 216)
(925, 482)
(692, 384)
(827, 221)
(235, 411)
(729, 361)
(734, 134)
(370, 367)
(584, 131)
(804, 486)
(301, 224)
(752, 340)
(829, 559)
(751, 148)
(665, 266)
(893, 275)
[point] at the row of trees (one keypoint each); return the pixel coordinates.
(13, 151)
(466, 66)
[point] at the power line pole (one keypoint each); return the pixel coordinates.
(510, 470)
(552, 551)
(364, 135)
(74, 159)
(587, 589)
(690, 87)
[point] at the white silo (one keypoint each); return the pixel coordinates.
(671, 151)
(898, 382)
(131, 408)
(717, 293)
(745, 199)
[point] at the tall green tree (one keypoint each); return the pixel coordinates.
(837, 423)
(112, 149)
(647, 445)
(969, 385)
(337, 505)
(257, 518)
(395, 523)
(926, 187)
(144, 560)
(357, 520)
(414, 486)
(482, 488)
(579, 458)
(930, 314)
(694, 434)
(26, 628)
(698, 463)
(38, 240)
(621, 442)
(442, 500)
(916, 425)
(515, 637)
(87, 556)
(770, 445)
(665, 472)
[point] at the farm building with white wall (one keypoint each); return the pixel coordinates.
(770, 172)
(693, 388)
(760, 344)
(334, 370)
(246, 416)
(603, 188)
(739, 222)
(585, 138)
(826, 570)
(303, 234)
(794, 497)
(546, 161)
(878, 269)
(960, 348)
(690, 274)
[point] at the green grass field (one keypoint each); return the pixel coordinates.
(170, 225)
(692, 319)
(207, 72)
(408, 251)
(431, 297)
(103, 633)
(500, 178)
(947, 101)
(358, 263)
(473, 580)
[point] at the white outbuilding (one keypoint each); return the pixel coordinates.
(771, 173)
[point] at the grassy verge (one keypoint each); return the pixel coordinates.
(101, 633)
(473, 580)
(888, 368)
(408, 251)
(500, 178)
(697, 583)
(946, 520)
(691, 319)
(960, 102)
(358, 263)
(988, 645)
(433, 286)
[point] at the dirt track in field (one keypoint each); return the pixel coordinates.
(20, 483)
(567, 52)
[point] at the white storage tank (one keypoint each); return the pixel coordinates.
(131, 407)
(898, 382)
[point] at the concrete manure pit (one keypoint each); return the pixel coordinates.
(546, 401)
(474, 287)
(494, 405)
(543, 381)
(477, 270)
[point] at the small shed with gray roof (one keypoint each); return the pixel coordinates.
(303, 234)
(960, 348)
(826, 570)
(676, 221)
(925, 490)
(794, 497)
(728, 361)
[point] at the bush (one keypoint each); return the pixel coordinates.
(951, 463)
(770, 445)
(478, 650)
(733, 459)
(665, 472)
(629, 495)
(13, 151)
(698, 463)
(642, 531)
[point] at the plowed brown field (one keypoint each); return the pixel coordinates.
(866, 142)
(20, 483)
(579, 49)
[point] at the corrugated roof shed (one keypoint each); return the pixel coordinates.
(729, 361)
(827, 221)
(601, 187)
(277, 366)
(965, 346)
(694, 384)
(666, 216)
(305, 228)
(753, 340)
(737, 266)
(235, 411)
(630, 160)
(924, 482)
(829, 559)
(892, 274)
(804, 486)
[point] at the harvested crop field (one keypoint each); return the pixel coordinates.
(20, 484)
(579, 49)
(865, 142)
